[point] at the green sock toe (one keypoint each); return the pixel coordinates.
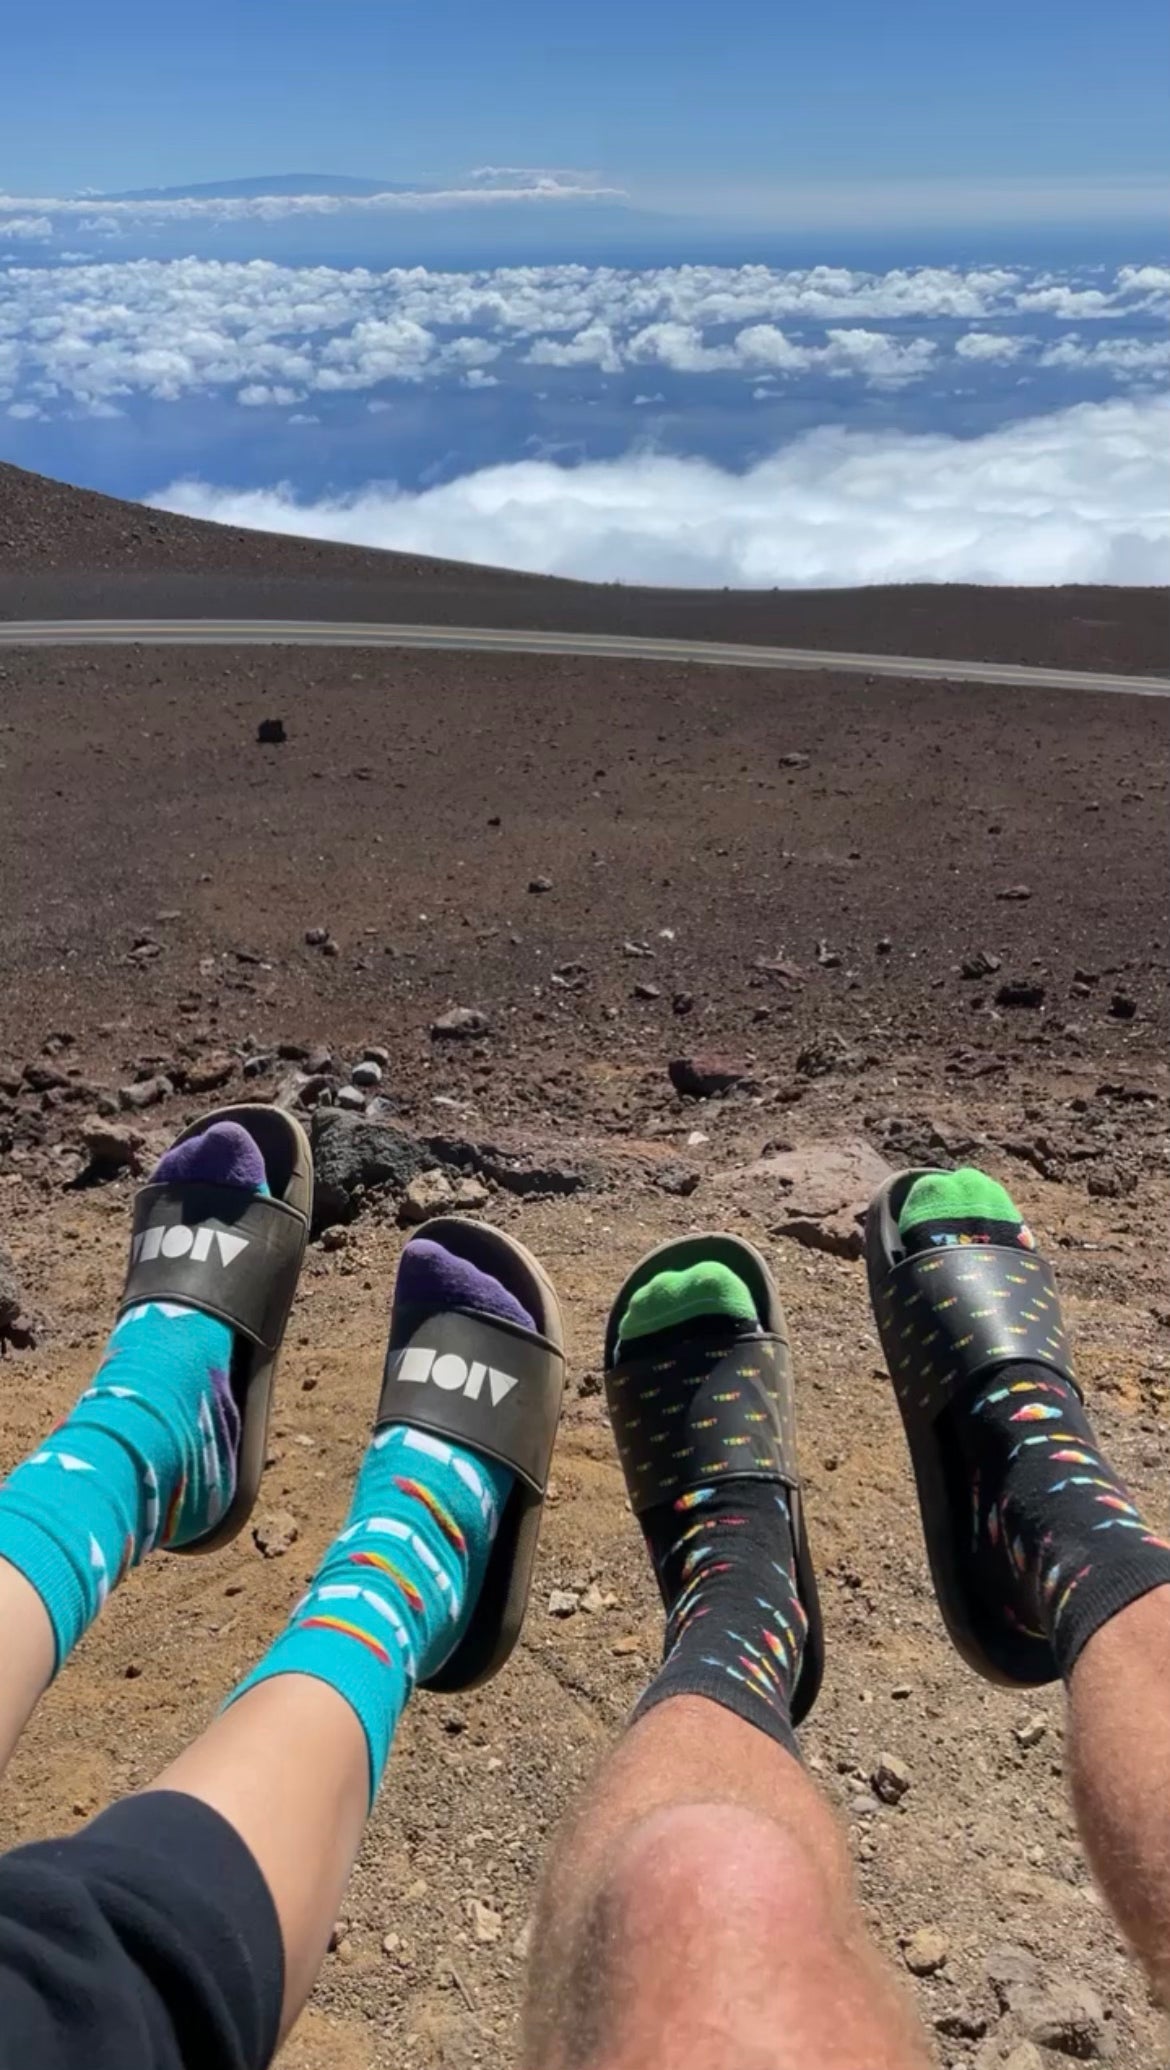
(671, 1298)
(963, 1196)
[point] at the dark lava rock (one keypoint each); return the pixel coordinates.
(1020, 992)
(706, 1076)
(1122, 1006)
(271, 733)
(676, 1178)
(982, 964)
(350, 1155)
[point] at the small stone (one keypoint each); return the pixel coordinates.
(391, 1943)
(460, 1024)
(643, 990)
(522, 1945)
(592, 1601)
(335, 1238)
(470, 1195)
(884, 946)
(132, 1670)
(331, 947)
(350, 1099)
(981, 965)
(486, 1924)
(147, 1093)
(271, 733)
(706, 1076)
(367, 1073)
(1014, 894)
(623, 1648)
(538, 884)
(829, 959)
(1020, 992)
(793, 761)
(562, 1603)
(337, 1934)
(315, 938)
(682, 1002)
(345, 1951)
(1122, 1006)
(1068, 2017)
(902, 1690)
(111, 1149)
(276, 1533)
(426, 1195)
(926, 1951)
(375, 1054)
(1031, 1732)
(891, 1779)
(209, 1072)
(679, 1179)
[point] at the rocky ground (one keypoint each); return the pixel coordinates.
(610, 953)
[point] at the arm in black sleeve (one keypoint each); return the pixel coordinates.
(147, 1941)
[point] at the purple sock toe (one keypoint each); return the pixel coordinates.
(224, 1155)
(429, 1274)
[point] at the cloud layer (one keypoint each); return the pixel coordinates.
(88, 335)
(1080, 496)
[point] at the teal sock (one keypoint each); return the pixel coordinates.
(395, 1592)
(148, 1456)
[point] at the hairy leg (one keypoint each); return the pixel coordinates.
(699, 1910)
(1119, 1769)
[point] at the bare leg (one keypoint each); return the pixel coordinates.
(287, 1767)
(700, 1910)
(28, 1656)
(1119, 1768)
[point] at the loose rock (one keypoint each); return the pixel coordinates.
(1020, 992)
(271, 733)
(460, 1024)
(428, 1194)
(891, 1779)
(111, 1149)
(367, 1073)
(705, 1076)
(209, 1072)
(276, 1533)
(562, 1603)
(926, 1951)
(486, 1924)
(147, 1093)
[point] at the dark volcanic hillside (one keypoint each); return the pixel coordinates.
(66, 552)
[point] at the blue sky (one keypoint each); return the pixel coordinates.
(685, 104)
(752, 293)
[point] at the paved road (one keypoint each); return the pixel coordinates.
(215, 632)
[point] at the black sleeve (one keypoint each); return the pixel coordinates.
(147, 1941)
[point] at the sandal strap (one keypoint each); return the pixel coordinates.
(948, 1315)
(732, 1414)
(233, 1255)
(478, 1381)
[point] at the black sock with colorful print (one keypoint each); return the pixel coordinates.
(723, 1553)
(1058, 1543)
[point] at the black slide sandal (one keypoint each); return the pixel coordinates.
(946, 1317)
(709, 1429)
(236, 1255)
(478, 1381)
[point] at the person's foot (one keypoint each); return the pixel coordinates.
(1057, 1545)
(148, 1456)
(398, 1587)
(721, 1543)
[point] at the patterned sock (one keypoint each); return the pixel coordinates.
(723, 1553)
(1058, 1543)
(148, 1456)
(397, 1589)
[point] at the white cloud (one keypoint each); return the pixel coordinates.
(97, 332)
(1075, 497)
(991, 346)
(26, 229)
(25, 412)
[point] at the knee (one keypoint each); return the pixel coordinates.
(716, 1869)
